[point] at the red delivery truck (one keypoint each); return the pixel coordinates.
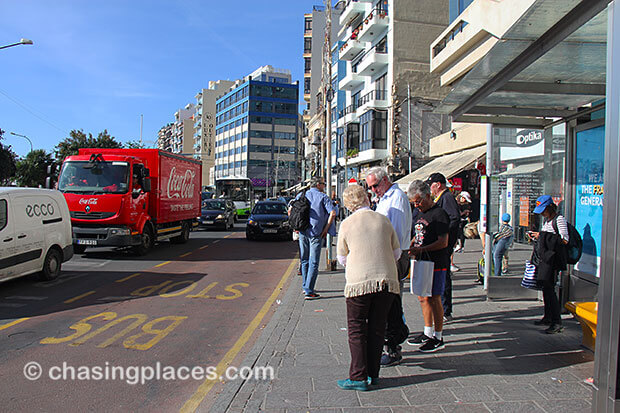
(130, 197)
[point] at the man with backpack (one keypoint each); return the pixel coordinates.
(312, 214)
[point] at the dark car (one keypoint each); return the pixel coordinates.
(268, 218)
(219, 213)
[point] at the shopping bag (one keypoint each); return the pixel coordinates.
(529, 277)
(421, 274)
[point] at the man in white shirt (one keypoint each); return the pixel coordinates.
(394, 204)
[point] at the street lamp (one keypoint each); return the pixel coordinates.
(25, 137)
(22, 41)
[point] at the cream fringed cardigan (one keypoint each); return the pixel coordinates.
(368, 241)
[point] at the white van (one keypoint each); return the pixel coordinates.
(35, 232)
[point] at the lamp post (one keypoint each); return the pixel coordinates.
(22, 41)
(25, 137)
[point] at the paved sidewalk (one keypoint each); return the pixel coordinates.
(494, 359)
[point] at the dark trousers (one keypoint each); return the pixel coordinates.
(396, 330)
(366, 318)
(550, 299)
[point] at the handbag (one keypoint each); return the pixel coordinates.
(421, 273)
(529, 277)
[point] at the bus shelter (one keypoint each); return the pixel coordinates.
(545, 74)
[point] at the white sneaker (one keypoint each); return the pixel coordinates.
(454, 268)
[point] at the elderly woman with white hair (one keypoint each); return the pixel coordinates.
(368, 247)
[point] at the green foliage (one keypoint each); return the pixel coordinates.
(32, 170)
(134, 145)
(78, 139)
(353, 152)
(7, 162)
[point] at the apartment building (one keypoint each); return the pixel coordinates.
(257, 130)
(204, 127)
(386, 117)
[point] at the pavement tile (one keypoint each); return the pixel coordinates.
(417, 396)
(367, 410)
(276, 400)
(464, 407)
(480, 379)
(284, 385)
(383, 397)
(475, 394)
(559, 391)
(565, 406)
(514, 407)
(431, 408)
(510, 392)
(337, 410)
(334, 398)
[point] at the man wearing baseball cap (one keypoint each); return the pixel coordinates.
(549, 256)
(444, 199)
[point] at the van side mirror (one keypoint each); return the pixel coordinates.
(147, 172)
(147, 184)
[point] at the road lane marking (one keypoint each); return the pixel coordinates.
(186, 254)
(115, 298)
(25, 297)
(128, 278)
(203, 247)
(228, 236)
(11, 305)
(70, 300)
(216, 241)
(192, 404)
(12, 323)
(162, 264)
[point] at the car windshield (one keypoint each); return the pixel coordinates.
(99, 178)
(214, 205)
(275, 209)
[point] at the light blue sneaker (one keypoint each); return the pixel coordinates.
(372, 381)
(349, 384)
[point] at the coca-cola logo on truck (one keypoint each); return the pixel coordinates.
(88, 201)
(181, 185)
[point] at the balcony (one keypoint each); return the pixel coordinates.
(372, 63)
(375, 99)
(350, 49)
(373, 25)
(350, 81)
(348, 115)
(352, 9)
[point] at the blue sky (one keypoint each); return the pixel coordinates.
(99, 65)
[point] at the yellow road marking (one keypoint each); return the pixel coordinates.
(227, 236)
(128, 278)
(203, 247)
(12, 323)
(70, 300)
(192, 404)
(216, 241)
(186, 254)
(162, 264)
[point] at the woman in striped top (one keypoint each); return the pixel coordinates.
(551, 252)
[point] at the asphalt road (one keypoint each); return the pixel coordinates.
(172, 321)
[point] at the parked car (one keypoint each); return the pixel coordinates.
(35, 229)
(268, 218)
(217, 213)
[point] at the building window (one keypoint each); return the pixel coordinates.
(381, 47)
(307, 64)
(307, 45)
(307, 86)
(307, 24)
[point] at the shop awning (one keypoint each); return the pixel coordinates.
(523, 169)
(449, 165)
(296, 188)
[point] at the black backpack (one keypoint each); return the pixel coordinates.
(575, 243)
(299, 218)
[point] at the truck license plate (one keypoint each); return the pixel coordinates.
(208, 222)
(270, 231)
(87, 242)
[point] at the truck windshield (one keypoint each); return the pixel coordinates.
(100, 178)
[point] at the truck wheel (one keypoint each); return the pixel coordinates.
(79, 249)
(146, 241)
(51, 265)
(184, 237)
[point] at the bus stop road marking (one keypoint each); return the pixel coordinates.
(12, 323)
(192, 404)
(128, 278)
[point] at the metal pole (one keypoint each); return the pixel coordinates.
(409, 124)
(25, 137)
(327, 98)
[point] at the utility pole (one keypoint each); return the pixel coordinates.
(328, 94)
(409, 125)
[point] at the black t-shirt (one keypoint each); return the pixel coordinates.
(427, 229)
(449, 204)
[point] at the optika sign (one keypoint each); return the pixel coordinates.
(88, 201)
(181, 185)
(529, 137)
